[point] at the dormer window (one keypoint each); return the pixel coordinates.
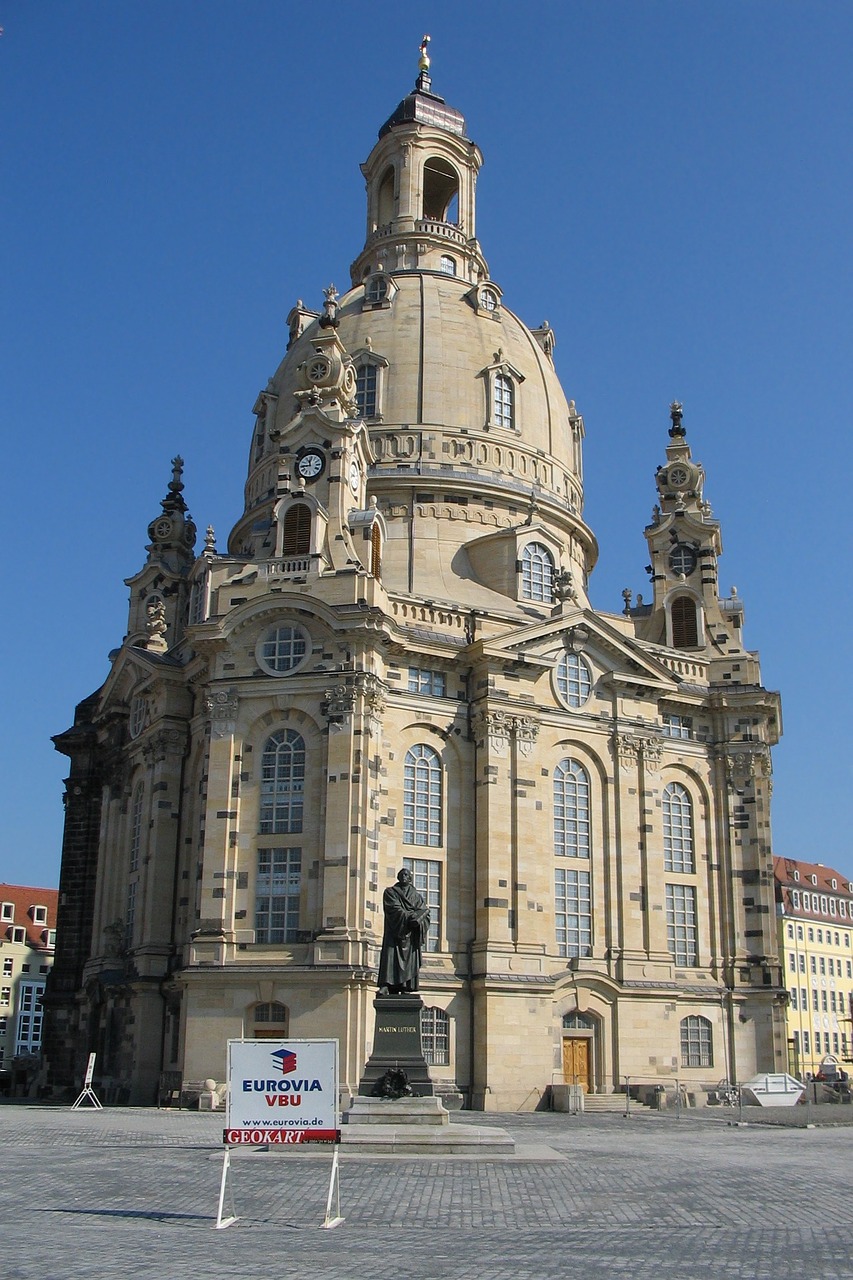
(795, 875)
(379, 290)
(504, 401)
(16, 933)
(365, 391)
(502, 381)
(7, 911)
(537, 573)
(447, 265)
(369, 383)
(376, 289)
(38, 915)
(486, 300)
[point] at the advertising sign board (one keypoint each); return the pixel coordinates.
(282, 1092)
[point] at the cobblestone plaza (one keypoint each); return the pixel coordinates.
(129, 1192)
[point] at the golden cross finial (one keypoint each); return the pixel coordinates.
(423, 62)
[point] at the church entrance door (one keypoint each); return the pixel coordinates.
(576, 1062)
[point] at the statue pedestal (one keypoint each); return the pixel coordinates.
(397, 1045)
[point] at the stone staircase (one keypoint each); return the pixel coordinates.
(606, 1102)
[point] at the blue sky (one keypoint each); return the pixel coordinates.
(667, 182)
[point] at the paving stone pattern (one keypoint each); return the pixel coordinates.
(132, 1193)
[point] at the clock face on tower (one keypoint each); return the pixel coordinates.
(310, 464)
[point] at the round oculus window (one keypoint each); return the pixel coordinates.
(574, 680)
(678, 477)
(489, 300)
(682, 560)
(318, 369)
(283, 650)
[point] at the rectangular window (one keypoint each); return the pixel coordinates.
(7, 911)
(824, 1001)
(30, 1016)
(804, 998)
(806, 1048)
(802, 964)
(807, 902)
(696, 1042)
(816, 1000)
(433, 683)
(793, 997)
(573, 910)
(277, 891)
(5, 995)
(681, 924)
(813, 964)
(678, 726)
(4, 1026)
(365, 391)
(792, 962)
(832, 906)
(427, 878)
(835, 1042)
(832, 1002)
(799, 933)
(39, 915)
(435, 1037)
(823, 964)
(820, 935)
(842, 907)
(850, 968)
(795, 899)
(7, 966)
(824, 905)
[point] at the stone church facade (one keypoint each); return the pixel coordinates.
(395, 662)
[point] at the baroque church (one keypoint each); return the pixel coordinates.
(395, 664)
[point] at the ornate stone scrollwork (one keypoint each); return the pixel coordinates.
(747, 762)
(626, 749)
(221, 707)
(495, 727)
(652, 750)
(525, 730)
(166, 742)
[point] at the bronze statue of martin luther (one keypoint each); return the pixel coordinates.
(406, 925)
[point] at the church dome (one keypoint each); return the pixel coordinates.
(460, 399)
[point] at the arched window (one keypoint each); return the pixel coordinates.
(422, 779)
(504, 398)
(282, 783)
(677, 829)
(435, 1037)
(576, 1021)
(375, 550)
(376, 289)
(696, 1042)
(385, 212)
(571, 810)
(685, 627)
(448, 265)
(441, 190)
(136, 826)
(270, 1021)
(296, 532)
(537, 573)
(365, 390)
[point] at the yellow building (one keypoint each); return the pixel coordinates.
(395, 661)
(27, 941)
(814, 906)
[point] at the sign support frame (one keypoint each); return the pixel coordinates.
(240, 1124)
(87, 1093)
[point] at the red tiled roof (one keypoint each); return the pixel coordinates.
(23, 898)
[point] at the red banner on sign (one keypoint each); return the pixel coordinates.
(278, 1137)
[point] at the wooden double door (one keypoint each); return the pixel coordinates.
(577, 1061)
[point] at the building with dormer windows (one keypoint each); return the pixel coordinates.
(395, 662)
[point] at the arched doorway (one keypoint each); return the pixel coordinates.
(578, 1050)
